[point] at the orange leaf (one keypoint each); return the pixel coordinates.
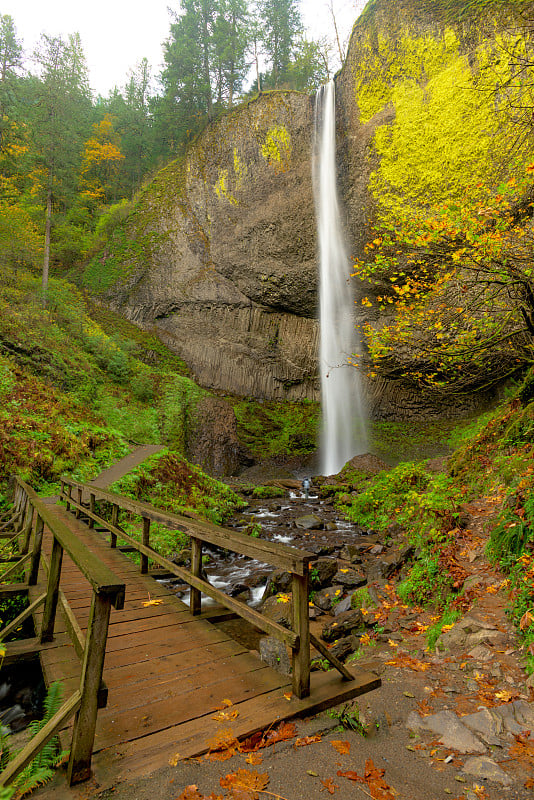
(329, 784)
(286, 730)
(305, 740)
(343, 748)
(254, 758)
(245, 783)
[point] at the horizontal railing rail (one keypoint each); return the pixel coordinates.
(84, 498)
(31, 516)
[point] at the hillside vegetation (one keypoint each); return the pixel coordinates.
(74, 398)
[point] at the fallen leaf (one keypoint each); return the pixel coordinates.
(392, 643)
(226, 716)
(526, 620)
(191, 793)
(254, 758)
(303, 741)
(222, 746)
(373, 777)
(288, 695)
(224, 704)
(329, 785)
(174, 760)
(245, 783)
(286, 730)
(151, 602)
(343, 748)
(505, 695)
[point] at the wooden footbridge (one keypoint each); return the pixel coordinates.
(166, 681)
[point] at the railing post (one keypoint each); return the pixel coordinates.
(78, 510)
(196, 569)
(115, 522)
(23, 501)
(52, 592)
(69, 493)
(28, 522)
(36, 555)
(92, 510)
(81, 750)
(146, 542)
(301, 626)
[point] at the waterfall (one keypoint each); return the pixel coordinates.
(343, 422)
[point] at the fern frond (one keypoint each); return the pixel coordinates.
(30, 778)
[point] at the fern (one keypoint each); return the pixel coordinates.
(41, 769)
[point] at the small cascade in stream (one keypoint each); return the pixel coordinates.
(343, 428)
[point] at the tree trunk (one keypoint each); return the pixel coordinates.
(48, 225)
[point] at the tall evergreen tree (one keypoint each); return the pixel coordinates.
(62, 103)
(10, 67)
(231, 37)
(281, 23)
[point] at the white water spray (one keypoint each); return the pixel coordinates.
(343, 430)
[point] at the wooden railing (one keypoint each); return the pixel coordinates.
(84, 499)
(31, 514)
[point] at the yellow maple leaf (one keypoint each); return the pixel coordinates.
(151, 602)
(392, 643)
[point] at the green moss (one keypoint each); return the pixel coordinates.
(276, 149)
(272, 429)
(384, 62)
(170, 482)
(221, 187)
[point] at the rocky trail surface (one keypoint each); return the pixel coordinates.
(456, 721)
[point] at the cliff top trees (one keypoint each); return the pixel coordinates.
(281, 24)
(204, 64)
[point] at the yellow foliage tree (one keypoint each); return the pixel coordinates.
(102, 157)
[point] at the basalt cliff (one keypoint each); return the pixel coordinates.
(218, 253)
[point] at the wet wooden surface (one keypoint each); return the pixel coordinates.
(168, 673)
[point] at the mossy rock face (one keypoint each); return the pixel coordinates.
(417, 126)
(219, 253)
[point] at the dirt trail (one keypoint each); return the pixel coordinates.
(125, 465)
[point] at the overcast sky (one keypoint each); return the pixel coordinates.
(117, 34)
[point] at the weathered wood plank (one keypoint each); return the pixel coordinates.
(142, 756)
(95, 572)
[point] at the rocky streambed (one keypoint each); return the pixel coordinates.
(352, 564)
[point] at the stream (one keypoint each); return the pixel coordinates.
(287, 520)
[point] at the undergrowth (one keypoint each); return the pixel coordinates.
(169, 482)
(41, 768)
(272, 429)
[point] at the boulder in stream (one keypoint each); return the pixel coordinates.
(309, 522)
(345, 624)
(274, 653)
(279, 608)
